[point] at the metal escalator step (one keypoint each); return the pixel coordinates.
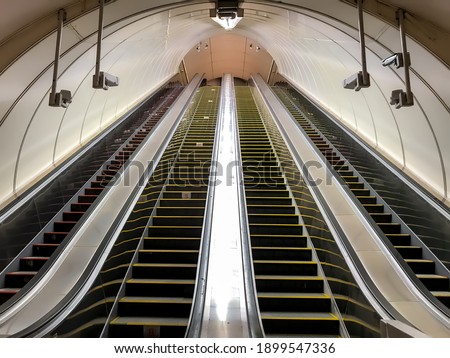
(163, 287)
(32, 263)
(399, 239)
(434, 282)
(164, 270)
(7, 293)
(181, 243)
(268, 201)
(374, 208)
(177, 220)
(279, 240)
(152, 327)
(271, 209)
(167, 256)
(273, 218)
(252, 192)
(139, 306)
(409, 252)
(382, 217)
(44, 249)
(281, 253)
(54, 237)
(421, 266)
(18, 279)
(179, 195)
(277, 229)
(300, 323)
(285, 267)
(366, 199)
(182, 202)
(443, 296)
(177, 231)
(390, 228)
(293, 301)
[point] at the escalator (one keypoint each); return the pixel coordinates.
(158, 295)
(35, 256)
(424, 265)
(290, 289)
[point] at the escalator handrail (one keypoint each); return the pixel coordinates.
(198, 301)
(13, 265)
(55, 316)
(256, 329)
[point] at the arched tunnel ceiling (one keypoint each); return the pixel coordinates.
(314, 45)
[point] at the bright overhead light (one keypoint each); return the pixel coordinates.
(227, 13)
(228, 23)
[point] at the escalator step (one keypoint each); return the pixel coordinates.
(434, 282)
(18, 279)
(421, 266)
(273, 219)
(167, 256)
(80, 206)
(276, 229)
(179, 195)
(249, 193)
(54, 237)
(382, 217)
(410, 252)
(271, 209)
(164, 271)
(166, 288)
(268, 201)
(355, 185)
(282, 302)
(169, 243)
(294, 268)
(350, 179)
(390, 228)
(443, 296)
(32, 263)
(167, 211)
(279, 240)
(66, 226)
(7, 293)
(300, 323)
(374, 208)
(44, 249)
(72, 215)
(148, 327)
(399, 239)
(366, 199)
(281, 253)
(182, 202)
(87, 198)
(178, 231)
(93, 191)
(139, 306)
(178, 221)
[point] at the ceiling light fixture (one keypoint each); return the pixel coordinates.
(227, 14)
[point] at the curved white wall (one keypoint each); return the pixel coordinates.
(316, 50)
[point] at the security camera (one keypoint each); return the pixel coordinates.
(356, 81)
(399, 99)
(60, 99)
(104, 81)
(395, 59)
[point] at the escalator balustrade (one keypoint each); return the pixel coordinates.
(290, 291)
(424, 269)
(158, 296)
